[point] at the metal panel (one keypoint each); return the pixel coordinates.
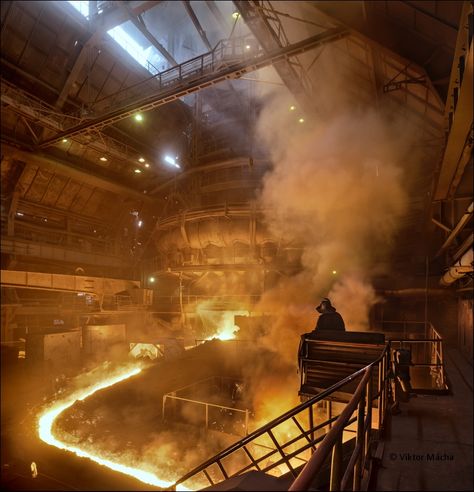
(100, 339)
(62, 350)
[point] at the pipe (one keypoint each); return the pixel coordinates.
(458, 270)
(421, 291)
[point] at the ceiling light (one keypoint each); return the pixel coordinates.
(138, 171)
(247, 46)
(103, 159)
(138, 117)
(141, 159)
(334, 272)
(235, 15)
(301, 120)
(151, 279)
(140, 223)
(64, 140)
(171, 161)
(20, 214)
(147, 165)
(292, 108)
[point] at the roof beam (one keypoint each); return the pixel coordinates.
(139, 23)
(54, 165)
(99, 24)
(260, 27)
(197, 24)
(219, 17)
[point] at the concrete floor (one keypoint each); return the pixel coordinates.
(429, 445)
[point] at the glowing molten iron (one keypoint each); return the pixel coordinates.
(46, 420)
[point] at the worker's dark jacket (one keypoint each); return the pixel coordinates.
(330, 321)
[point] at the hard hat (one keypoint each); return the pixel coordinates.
(325, 305)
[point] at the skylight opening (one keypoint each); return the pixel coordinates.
(81, 6)
(149, 58)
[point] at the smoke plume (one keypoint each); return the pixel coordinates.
(337, 190)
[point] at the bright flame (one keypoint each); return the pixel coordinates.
(227, 330)
(46, 421)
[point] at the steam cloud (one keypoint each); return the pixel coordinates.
(337, 191)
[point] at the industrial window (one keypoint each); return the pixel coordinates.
(82, 7)
(132, 41)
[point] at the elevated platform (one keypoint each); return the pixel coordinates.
(429, 445)
(328, 357)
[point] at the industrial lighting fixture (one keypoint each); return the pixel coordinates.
(138, 171)
(20, 214)
(141, 159)
(235, 15)
(247, 46)
(172, 161)
(64, 140)
(301, 120)
(292, 108)
(103, 159)
(138, 117)
(140, 223)
(151, 279)
(147, 165)
(334, 272)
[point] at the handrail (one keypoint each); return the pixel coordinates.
(266, 429)
(314, 464)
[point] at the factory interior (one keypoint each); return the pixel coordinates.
(182, 183)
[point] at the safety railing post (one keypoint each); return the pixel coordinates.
(359, 441)
(369, 411)
(311, 422)
(336, 465)
(380, 394)
(329, 413)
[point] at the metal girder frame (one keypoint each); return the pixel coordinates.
(37, 111)
(139, 23)
(292, 74)
(197, 24)
(206, 42)
(383, 49)
(56, 166)
(194, 75)
(457, 229)
(98, 25)
(218, 15)
(459, 104)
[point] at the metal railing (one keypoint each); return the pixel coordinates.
(288, 439)
(225, 51)
(430, 353)
(206, 405)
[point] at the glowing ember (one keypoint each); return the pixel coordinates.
(46, 420)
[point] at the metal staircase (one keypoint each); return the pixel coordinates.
(286, 444)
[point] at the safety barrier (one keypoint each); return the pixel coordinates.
(295, 433)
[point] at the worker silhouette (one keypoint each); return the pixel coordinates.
(329, 319)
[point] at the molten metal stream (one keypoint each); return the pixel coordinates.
(45, 425)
